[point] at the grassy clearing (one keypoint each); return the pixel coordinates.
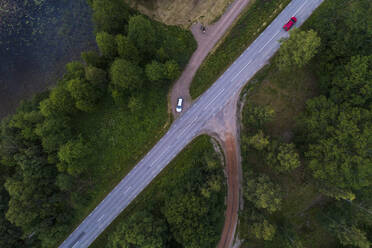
(255, 19)
(123, 138)
(287, 95)
(174, 178)
(180, 12)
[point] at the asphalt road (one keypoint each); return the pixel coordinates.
(189, 125)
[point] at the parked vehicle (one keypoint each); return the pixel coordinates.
(179, 105)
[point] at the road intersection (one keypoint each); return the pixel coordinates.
(189, 125)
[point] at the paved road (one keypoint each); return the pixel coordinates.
(188, 125)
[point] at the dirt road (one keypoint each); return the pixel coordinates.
(224, 128)
(206, 41)
(231, 215)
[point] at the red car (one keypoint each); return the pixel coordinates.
(290, 23)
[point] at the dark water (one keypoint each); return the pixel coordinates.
(37, 39)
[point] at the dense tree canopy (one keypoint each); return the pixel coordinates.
(336, 127)
(107, 44)
(125, 77)
(298, 49)
(339, 138)
(142, 33)
(72, 156)
(142, 229)
(127, 50)
(110, 15)
(263, 193)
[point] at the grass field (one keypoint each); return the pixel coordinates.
(123, 138)
(175, 176)
(180, 12)
(255, 19)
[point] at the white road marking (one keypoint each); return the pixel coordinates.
(196, 117)
(100, 218)
(240, 71)
(75, 245)
(300, 8)
(161, 154)
(269, 41)
(219, 93)
(184, 130)
(127, 189)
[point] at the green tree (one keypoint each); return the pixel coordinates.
(256, 116)
(298, 49)
(127, 50)
(172, 70)
(10, 235)
(97, 77)
(85, 95)
(141, 229)
(74, 155)
(135, 103)
(338, 139)
(54, 132)
(110, 15)
(74, 69)
(187, 216)
(155, 71)
(161, 55)
(60, 101)
(354, 82)
(288, 157)
(65, 182)
(92, 58)
(263, 230)
(258, 141)
(142, 33)
(263, 193)
(106, 44)
(349, 235)
(337, 193)
(125, 77)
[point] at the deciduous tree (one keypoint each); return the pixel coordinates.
(263, 193)
(141, 229)
(127, 50)
(258, 141)
(298, 49)
(110, 15)
(107, 44)
(125, 77)
(142, 33)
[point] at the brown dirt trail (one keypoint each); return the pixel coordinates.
(206, 42)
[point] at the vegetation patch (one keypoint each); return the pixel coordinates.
(182, 207)
(179, 12)
(64, 150)
(246, 30)
(306, 132)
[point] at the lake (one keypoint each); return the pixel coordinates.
(37, 39)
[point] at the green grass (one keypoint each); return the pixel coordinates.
(174, 176)
(255, 19)
(122, 139)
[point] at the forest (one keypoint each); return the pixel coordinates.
(112, 100)
(307, 136)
